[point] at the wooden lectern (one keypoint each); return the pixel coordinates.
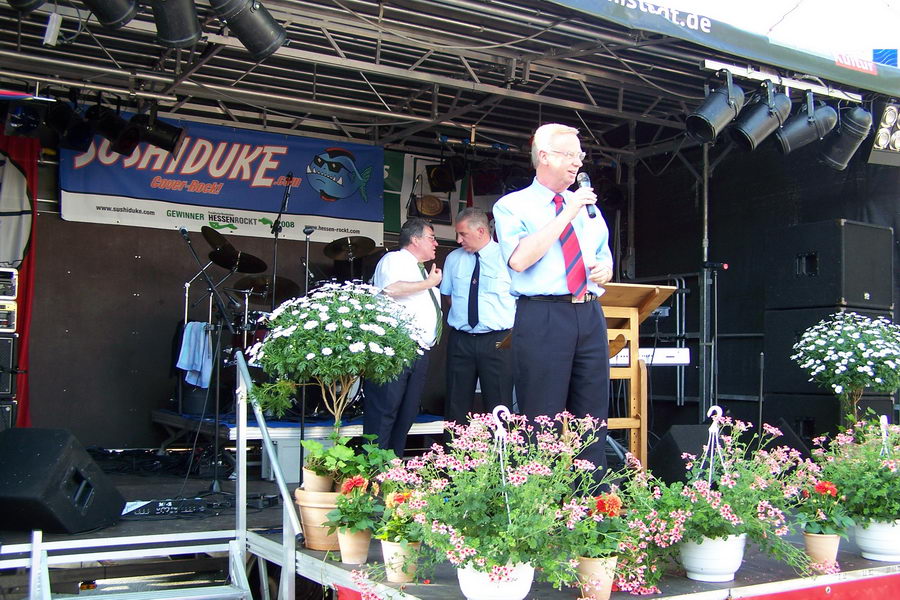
(626, 305)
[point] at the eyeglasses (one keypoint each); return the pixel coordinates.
(429, 237)
(569, 154)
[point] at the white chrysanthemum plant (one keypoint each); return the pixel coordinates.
(332, 337)
(847, 352)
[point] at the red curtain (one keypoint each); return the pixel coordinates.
(23, 153)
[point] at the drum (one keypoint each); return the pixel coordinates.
(253, 331)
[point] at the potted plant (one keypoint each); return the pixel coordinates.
(354, 518)
(490, 503)
(739, 489)
(823, 519)
(400, 535)
(863, 462)
(331, 338)
(847, 353)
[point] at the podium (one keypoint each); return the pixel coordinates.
(625, 306)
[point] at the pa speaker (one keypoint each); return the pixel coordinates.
(665, 457)
(49, 482)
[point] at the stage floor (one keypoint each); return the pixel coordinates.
(757, 570)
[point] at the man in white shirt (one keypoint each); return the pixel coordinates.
(390, 409)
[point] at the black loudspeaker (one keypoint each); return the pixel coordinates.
(830, 263)
(783, 329)
(49, 482)
(812, 415)
(7, 370)
(665, 457)
(790, 438)
(8, 411)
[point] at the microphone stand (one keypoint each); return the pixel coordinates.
(276, 231)
(308, 230)
(215, 487)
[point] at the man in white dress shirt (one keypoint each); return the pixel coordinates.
(390, 409)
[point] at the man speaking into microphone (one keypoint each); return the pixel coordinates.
(559, 259)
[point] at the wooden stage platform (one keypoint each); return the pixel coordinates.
(759, 575)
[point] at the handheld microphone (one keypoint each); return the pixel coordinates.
(184, 233)
(583, 180)
(716, 266)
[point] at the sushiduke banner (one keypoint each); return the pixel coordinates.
(232, 180)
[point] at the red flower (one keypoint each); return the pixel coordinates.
(351, 484)
(609, 505)
(826, 488)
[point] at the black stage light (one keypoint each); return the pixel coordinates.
(122, 135)
(252, 24)
(159, 133)
(721, 106)
(74, 132)
(758, 121)
(113, 13)
(843, 142)
(25, 118)
(886, 149)
(26, 6)
(176, 22)
(809, 124)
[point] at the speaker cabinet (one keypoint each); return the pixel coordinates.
(783, 329)
(665, 457)
(49, 482)
(8, 414)
(830, 263)
(812, 415)
(7, 362)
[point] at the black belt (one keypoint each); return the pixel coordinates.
(567, 298)
(481, 333)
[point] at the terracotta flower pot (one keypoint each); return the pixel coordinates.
(399, 560)
(317, 483)
(354, 546)
(314, 508)
(596, 576)
(822, 547)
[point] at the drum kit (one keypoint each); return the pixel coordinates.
(263, 291)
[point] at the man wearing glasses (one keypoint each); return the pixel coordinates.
(391, 408)
(559, 258)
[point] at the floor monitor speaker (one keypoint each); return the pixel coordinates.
(665, 457)
(49, 482)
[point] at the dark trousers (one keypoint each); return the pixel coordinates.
(472, 357)
(561, 356)
(390, 409)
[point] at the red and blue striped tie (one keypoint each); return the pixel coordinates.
(576, 276)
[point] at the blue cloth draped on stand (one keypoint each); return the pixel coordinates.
(196, 354)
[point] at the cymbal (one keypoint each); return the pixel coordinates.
(350, 247)
(213, 237)
(229, 258)
(260, 288)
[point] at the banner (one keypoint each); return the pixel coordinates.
(232, 180)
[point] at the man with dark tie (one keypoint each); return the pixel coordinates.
(476, 284)
(558, 258)
(390, 409)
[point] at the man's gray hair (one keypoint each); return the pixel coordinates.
(543, 135)
(474, 216)
(414, 227)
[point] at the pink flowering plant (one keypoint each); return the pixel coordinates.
(490, 501)
(863, 462)
(746, 485)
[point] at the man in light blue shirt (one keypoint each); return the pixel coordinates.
(559, 259)
(476, 284)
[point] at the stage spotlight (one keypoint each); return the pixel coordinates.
(721, 106)
(74, 132)
(25, 118)
(176, 22)
(758, 121)
(808, 125)
(886, 149)
(159, 133)
(26, 6)
(252, 24)
(842, 143)
(122, 135)
(113, 13)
